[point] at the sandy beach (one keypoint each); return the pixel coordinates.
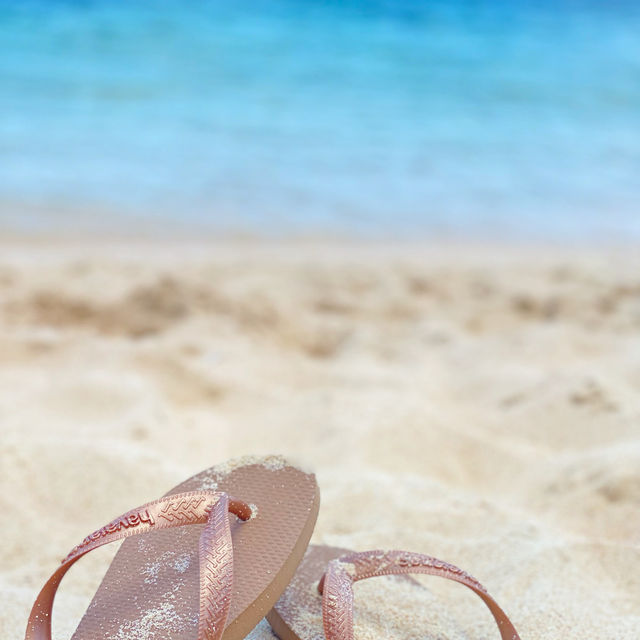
(477, 404)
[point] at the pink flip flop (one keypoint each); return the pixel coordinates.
(320, 597)
(249, 523)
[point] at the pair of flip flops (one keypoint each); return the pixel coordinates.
(244, 556)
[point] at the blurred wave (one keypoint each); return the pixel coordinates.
(465, 118)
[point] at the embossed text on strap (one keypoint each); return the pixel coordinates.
(216, 554)
(336, 586)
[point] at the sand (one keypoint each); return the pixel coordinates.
(476, 404)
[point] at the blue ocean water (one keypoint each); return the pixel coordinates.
(463, 118)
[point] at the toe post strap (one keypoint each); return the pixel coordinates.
(336, 586)
(216, 554)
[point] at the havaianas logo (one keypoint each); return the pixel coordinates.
(416, 560)
(124, 522)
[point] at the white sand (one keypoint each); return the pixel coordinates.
(476, 405)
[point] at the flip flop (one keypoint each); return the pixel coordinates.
(302, 613)
(251, 521)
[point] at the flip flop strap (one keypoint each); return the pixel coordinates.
(215, 550)
(336, 586)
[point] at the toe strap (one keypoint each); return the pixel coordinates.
(336, 586)
(216, 554)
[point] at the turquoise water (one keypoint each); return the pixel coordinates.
(463, 118)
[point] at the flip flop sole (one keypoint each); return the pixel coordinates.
(151, 589)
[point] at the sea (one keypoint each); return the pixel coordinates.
(498, 119)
